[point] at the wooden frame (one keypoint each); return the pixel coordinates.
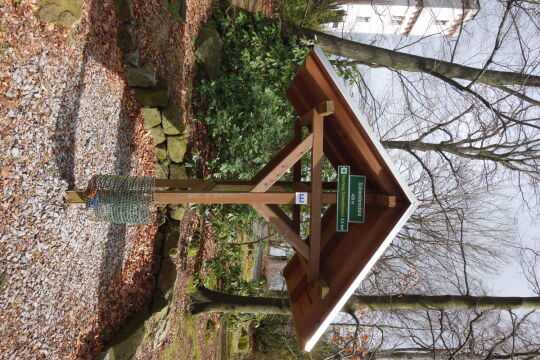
(328, 266)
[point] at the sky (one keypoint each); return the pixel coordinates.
(475, 46)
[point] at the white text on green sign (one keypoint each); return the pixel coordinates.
(357, 200)
(342, 220)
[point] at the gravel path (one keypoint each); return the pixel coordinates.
(65, 114)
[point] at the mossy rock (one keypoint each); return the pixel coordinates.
(177, 9)
(151, 116)
(140, 76)
(167, 277)
(176, 146)
(160, 151)
(126, 341)
(172, 118)
(157, 96)
(162, 171)
(177, 172)
(64, 12)
(173, 253)
(208, 51)
(176, 211)
(124, 9)
(243, 341)
(126, 38)
(210, 330)
(3, 281)
(158, 136)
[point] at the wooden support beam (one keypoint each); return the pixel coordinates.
(297, 177)
(219, 197)
(283, 227)
(324, 108)
(282, 154)
(381, 200)
(285, 164)
(316, 199)
(233, 197)
(201, 184)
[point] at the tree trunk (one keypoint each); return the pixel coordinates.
(205, 300)
(369, 54)
(439, 354)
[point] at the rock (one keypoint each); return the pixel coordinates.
(159, 239)
(133, 58)
(153, 97)
(243, 341)
(140, 76)
(64, 12)
(126, 38)
(160, 151)
(156, 264)
(167, 277)
(176, 146)
(124, 9)
(127, 339)
(177, 9)
(158, 136)
(162, 171)
(3, 280)
(151, 116)
(158, 301)
(176, 211)
(172, 236)
(208, 51)
(172, 119)
(173, 253)
(177, 172)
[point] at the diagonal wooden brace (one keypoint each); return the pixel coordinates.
(286, 161)
(281, 222)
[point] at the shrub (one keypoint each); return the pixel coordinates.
(245, 110)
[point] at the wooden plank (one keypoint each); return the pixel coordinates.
(325, 108)
(283, 227)
(297, 177)
(233, 197)
(282, 154)
(383, 200)
(316, 200)
(285, 164)
(320, 81)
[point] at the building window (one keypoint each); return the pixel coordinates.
(397, 20)
(441, 22)
(363, 19)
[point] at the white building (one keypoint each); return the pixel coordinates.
(405, 17)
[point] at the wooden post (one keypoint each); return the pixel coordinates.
(297, 177)
(316, 200)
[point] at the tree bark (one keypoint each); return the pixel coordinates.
(369, 54)
(439, 354)
(205, 300)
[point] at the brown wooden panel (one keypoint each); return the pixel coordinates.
(357, 254)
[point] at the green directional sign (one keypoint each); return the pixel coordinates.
(357, 199)
(342, 223)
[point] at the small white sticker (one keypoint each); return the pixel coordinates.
(301, 198)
